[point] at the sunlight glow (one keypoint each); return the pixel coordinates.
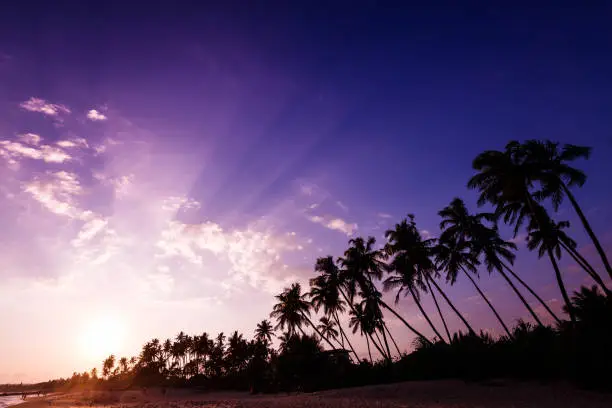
(102, 337)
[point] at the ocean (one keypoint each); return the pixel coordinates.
(10, 400)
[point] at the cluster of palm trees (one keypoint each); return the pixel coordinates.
(518, 183)
(523, 184)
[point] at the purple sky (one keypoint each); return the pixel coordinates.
(171, 168)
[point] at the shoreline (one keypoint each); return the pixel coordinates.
(423, 394)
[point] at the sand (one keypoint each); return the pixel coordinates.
(430, 394)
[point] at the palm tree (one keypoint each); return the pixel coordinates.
(325, 292)
(292, 311)
(264, 331)
(360, 263)
(360, 321)
(410, 264)
(328, 329)
(556, 177)
(455, 256)
(486, 242)
(108, 365)
(544, 235)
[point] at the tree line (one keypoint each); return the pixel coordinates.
(523, 186)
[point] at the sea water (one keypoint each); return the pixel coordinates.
(10, 400)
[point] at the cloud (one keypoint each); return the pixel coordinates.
(78, 142)
(342, 206)
(95, 115)
(12, 151)
(425, 234)
(57, 191)
(176, 203)
(253, 256)
(40, 105)
(383, 215)
(336, 224)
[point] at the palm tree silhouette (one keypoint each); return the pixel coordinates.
(359, 320)
(293, 310)
(556, 177)
(328, 329)
(459, 224)
(360, 263)
(264, 331)
(325, 292)
(410, 265)
(545, 235)
(457, 255)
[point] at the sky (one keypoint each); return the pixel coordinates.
(173, 166)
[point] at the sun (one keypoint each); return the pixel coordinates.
(102, 337)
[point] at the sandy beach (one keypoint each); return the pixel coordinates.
(431, 394)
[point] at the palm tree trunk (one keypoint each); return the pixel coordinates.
(416, 300)
(343, 334)
(588, 229)
(566, 299)
(520, 296)
(386, 355)
(379, 348)
(452, 306)
(318, 332)
(522, 282)
(415, 331)
(399, 353)
(369, 352)
(382, 330)
(433, 295)
(580, 260)
(488, 303)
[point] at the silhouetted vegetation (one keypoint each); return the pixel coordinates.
(523, 185)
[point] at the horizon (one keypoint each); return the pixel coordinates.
(172, 168)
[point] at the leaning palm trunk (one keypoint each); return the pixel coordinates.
(520, 296)
(580, 260)
(399, 353)
(480, 292)
(416, 300)
(386, 355)
(588, 229)
(379, 348)
(415, 331)
(522, 282)
(343, 335)
(452, 306)
(566, 299)
(382, 330)
(433, 295)
(369, 351)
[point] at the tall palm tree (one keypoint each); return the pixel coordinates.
(455, 256)
(325, 292)
(459, 224)
(328, 329)
(293, 310)
(264, 331)
(410, 264)
(556, 177)
(359, 320)
(361, 262)
(544, 235)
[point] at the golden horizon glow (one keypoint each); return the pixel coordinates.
(101, 337)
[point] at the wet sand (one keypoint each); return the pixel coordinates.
(427, 394)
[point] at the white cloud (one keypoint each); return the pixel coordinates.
(30, 138)
(384, 215)
(337, 224)
(342, 205)
(12, 151)
(44, 107)
(176, 203)
(252, 255)
(57, 192)
(78, 142)
(95, 115)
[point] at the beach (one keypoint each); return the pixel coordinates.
(417, 394)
